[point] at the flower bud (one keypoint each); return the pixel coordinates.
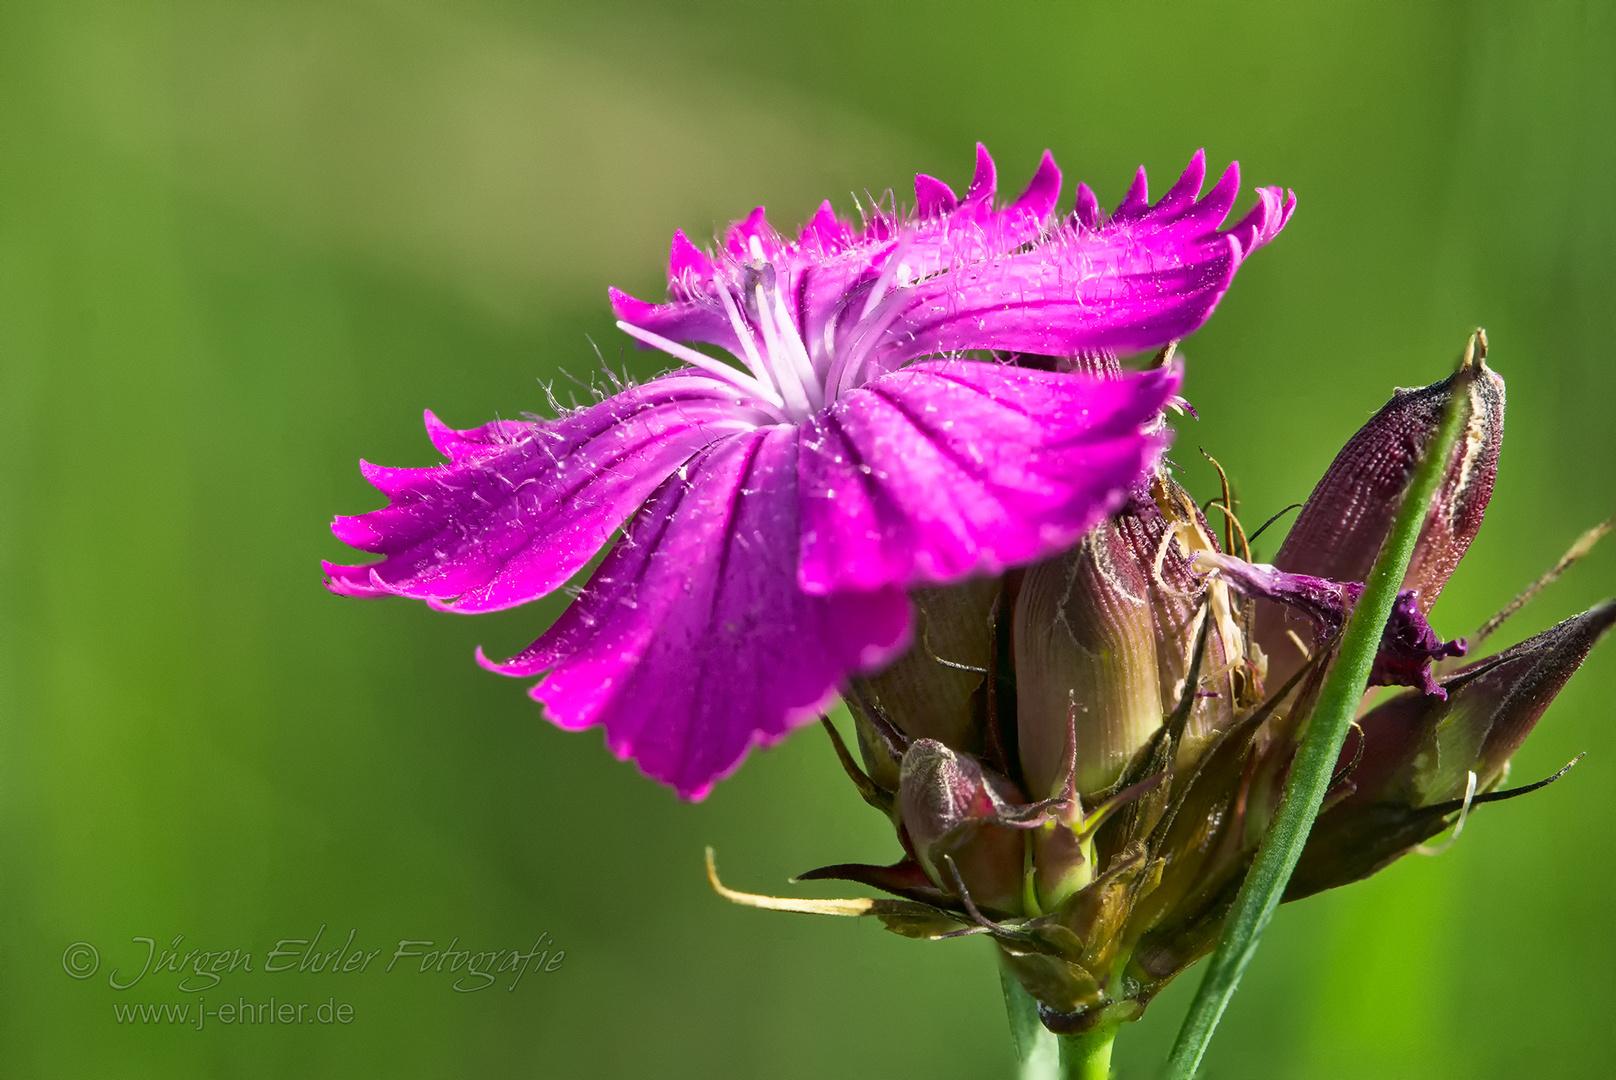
(1085, 656)
(1092, 626)
(957, 811)
(1344, 522)
(931, 691)
(1408, 771)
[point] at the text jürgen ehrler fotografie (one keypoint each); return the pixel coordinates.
(465, 969)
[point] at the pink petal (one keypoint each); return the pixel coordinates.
(950, 468)
(738, 239)
(825, 234)
(521, 507)
(692, 642)
(1148, 275)
(1087, 210)
(829, 271)
(932, 196)
(695, 318)
(687, 263)
(1136, 200)
(1043, 190)
(986, 181)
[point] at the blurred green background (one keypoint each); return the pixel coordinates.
(244, 243)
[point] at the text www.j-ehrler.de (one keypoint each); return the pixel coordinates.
(197, 1014)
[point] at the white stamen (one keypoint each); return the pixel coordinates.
(797, 351)
(748, 346)
(717, 368)
(852, 361)
(884, 282)
(791, 388)
(843, 369)
(1301, 646)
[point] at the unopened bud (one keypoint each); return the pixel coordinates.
(1341, 528)
(930, 692)
(1493, 705)
(1408, 770)
(961, 820)
(1085, 654)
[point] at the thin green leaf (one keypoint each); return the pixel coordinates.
(1037, 1049)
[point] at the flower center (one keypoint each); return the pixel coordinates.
(782, 375)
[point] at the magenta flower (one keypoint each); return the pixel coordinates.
(776, 510)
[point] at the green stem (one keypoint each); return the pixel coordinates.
(1314, 764)
(1042, 1055)
(1088, 1056)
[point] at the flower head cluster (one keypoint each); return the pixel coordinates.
(906, 404)
(1081, 757)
